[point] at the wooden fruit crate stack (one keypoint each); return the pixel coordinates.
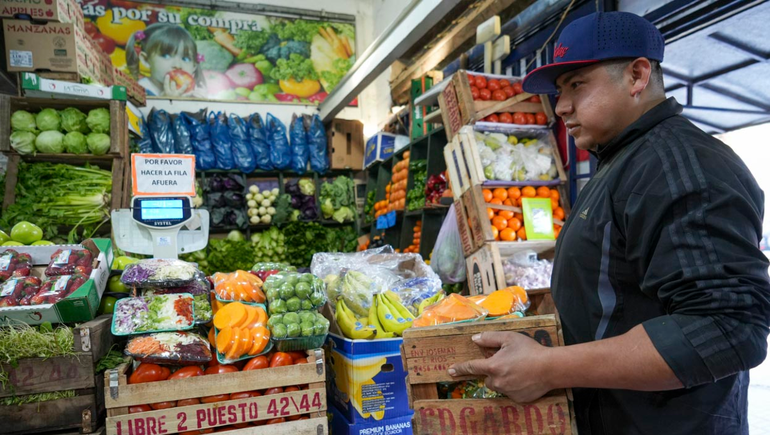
(304, 410)
(83, 413)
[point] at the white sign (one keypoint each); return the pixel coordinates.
(163, 174)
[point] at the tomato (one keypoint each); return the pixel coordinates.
(475, 92)
(481, 82)
(318, 98)
(187, 372)
(540, 118)
(530, 119)
(214, 399)
(485, 94)
(166, 372)
(182, 79)
(293, 418)
(519, 118)
(106, 44)
(276, 420)
(90, 28)
(244, 395)
(257, 363)
(290, 389)
(188, 402)
(506, 118)
(295, 355)
(139, 408)
(301, 361)
(280, 359)
(493, 118)
(499, 95)
(504, 83)
(508, 91)
(302, 89)
(276, 390)
(221, 368)
(471, 79)
(517, 88)
(163, 405)
(148, 373)
(534, 99)
(493, 85)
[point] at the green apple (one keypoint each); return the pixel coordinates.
(42, 243)
(115, 286)
(12, 243)
(4, 237)
(25, 233)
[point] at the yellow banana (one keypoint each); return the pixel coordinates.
(430, 301)
(375, 321)
(350, 326)
(389, 317)
(395, 302)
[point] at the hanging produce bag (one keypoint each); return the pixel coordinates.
(316, 138)
(299, 145)
(280, 151)
(220, 137)
(448, 260)
(200, 140)
(242, 153)
(182, 144)
(259, 143)
(160, 131)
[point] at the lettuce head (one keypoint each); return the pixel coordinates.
(98, 120)
(50, 141)
(21, 120)
(23, 142)
(75, 143)
(48, 120)
(73, 119)
(98, 143)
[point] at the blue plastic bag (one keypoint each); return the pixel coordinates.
(280, 151)
(182, 144)
(239, 138)
(160, 132)
(200, 140)
(319, 150)
(220, 138)
(299, 149)
(259, 144)
(145, 142)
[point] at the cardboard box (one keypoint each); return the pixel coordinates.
(339, 425)
(80, 306)
(346, 144)
(62, 11)
(136, 92)
(382, 145)
(36, 86)
(367, 381)
(58, 47)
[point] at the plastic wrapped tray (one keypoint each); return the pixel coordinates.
(13, 264)
(177, 348)
(200, 289)
(69, 261)
(13, 291)
(299, 343)
(158, 272)
(54, 289)
(239, 286)
(294, 292)
(162, 313)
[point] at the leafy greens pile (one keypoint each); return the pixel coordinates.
(19, 340)
(338, 199)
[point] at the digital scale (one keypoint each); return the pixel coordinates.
(163, 227)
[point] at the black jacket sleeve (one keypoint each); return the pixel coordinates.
(692, 234)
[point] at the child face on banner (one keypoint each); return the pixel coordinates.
(161, 64)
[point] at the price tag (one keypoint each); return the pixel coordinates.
(8, 287)
(63, 257)
(61, 284)
(5, 261)
(21, 59)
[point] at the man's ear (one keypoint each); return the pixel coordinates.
(641, 71)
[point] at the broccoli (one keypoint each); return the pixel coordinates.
(275, 48)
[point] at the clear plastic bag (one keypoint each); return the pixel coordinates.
(242, 151)
(515, 153)
(240, 332)
(158, 272)
(220, 138)
(69, 261)
(13, 291)
(503, 302)
(264, 270)
(159, 313)
(260, 146)
(55, 289)
(526, 271)
(13, 264)
(448, 260)
(319, 150)
(280, 151)
(200, 140)
(160, 131)
(453, 308)
(293, 292)
(301, 330)
(177, 348)
(182, 144)
(238, 286)
(200, 289)
(299, 146)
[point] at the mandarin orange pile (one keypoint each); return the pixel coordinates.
(508, 226)
(415, 246)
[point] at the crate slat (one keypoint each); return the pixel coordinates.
(484, 267)
(70, 413)
(39, 375)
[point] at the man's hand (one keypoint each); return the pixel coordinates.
(514, 369)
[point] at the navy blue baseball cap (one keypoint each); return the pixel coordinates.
(595, 38)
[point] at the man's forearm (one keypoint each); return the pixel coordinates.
(628, 362)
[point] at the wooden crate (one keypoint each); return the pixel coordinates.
(459, 109)
(37, 375)
(464, 163)
(428, 353)
(114, 163)
(118, 119)
(485, 266)
(119, 396)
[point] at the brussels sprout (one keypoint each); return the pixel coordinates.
(293, 330)
(306, 304)
(291, 318)
(293, 304)
(287, 292)
(279, 331)
(307, 329)
(302, 290)
(306, 316)
(275, 319)
(278, 306)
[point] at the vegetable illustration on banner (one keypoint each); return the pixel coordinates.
(185, 53)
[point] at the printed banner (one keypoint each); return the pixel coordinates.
(184, 53)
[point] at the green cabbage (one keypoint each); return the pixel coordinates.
(50, 142)
(75, 143)
(48, 120)
(98, 143)
(73, 119)
(98, 120)
(23, 142)
(21, 120)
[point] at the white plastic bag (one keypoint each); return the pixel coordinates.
(448, 260)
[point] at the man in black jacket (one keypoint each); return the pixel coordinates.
(658, 278)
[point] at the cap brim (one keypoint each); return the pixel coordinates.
(543, 80)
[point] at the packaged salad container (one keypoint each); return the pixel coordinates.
(158, 272)
(178, 348)
(161, 313)
(200, 289)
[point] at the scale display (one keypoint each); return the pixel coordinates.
(162, 212)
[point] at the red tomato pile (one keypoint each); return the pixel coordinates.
(500, 90)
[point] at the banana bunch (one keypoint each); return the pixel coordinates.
(392, 315)
(388, 318)
(430, 301)
(351, 326)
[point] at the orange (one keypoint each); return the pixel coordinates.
(514, 224)
(543, 192)
(509, 202)
(558, 213)
(500, 193)
(555, 194)
(497, 201)
(556, 232)
(519, 216)
(505, 214)
(522, 233)
(507, 235)
(495, 233)
(528, 192)
(500, 222)
(487, 195)
(554, 203)
(514, 192)
(490, 213)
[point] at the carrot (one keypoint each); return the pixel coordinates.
(227, 41)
